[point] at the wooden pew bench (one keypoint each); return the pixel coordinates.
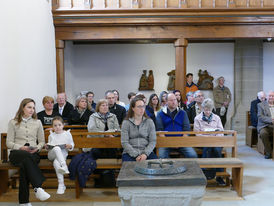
(251, 136)
(81, 141)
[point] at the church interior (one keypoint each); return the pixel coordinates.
(75, 46)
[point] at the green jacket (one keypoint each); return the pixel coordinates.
(221, 96)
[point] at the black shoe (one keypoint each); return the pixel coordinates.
(267, 156)
(220, 181)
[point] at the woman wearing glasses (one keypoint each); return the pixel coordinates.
(138, 134)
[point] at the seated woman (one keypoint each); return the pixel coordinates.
(162, 99)
(80, 115)
(103, 121)
(207, 121)
(26, 138)
(46, 116)
(154, 103)
(138, 136)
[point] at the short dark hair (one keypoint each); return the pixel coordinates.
(189, 74)
(131, 94)
(89, 93)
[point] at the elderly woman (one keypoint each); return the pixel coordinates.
(26, 138)
(80, 115)
(138, 134)
(48, 114)
(103, 121)
(207, 121)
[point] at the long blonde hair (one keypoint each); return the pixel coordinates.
(20, 112)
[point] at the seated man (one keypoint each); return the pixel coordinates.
(172, 118)
(90, 96)
(195, 107)
(265, 123)
(114, 108)
(261, 96)
(63, 107)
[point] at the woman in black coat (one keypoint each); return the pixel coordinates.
(80, 115)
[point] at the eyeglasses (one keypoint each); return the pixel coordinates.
(141, 106)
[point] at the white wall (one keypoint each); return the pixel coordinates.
(268, 64)
(27, 55)
(100, 67)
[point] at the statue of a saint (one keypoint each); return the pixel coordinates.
(143, 84)
(150, 80)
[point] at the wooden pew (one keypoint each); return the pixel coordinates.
(81, 141)
(251, 136)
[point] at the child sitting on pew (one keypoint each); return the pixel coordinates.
(59, 143)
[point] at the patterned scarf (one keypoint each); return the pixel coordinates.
(207, 119)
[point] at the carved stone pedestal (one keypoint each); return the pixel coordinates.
(183, 189)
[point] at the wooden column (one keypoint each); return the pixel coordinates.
(60, 72)
(180, 71)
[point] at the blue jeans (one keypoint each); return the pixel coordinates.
(213, 152)
(188, 152)
(126, 157)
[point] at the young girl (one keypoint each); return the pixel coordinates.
(59, 143)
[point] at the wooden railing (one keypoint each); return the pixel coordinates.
(159, 4)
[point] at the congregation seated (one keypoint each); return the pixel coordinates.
(138, 135)
(130, 97)
(46, 116)
(265, 123)
(63, 107)
(80, 115)
(114, 108)
(92, 104)
(195, 107)
(261, 96)
(178, 96)
(172, 118)
(207, 121)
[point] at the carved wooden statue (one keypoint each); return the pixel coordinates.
(171, 80)
(205, 80)
(143, 84)
(150, 80)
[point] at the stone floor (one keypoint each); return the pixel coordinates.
(258, 187)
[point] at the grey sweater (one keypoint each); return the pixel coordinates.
(137, 140)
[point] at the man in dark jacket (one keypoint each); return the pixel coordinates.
(114, 108)
(195, 107)
(261, 96)
(63, 107)
(172, 118)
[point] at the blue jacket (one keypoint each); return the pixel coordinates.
(254, 112)
(82, 165)
(164, 121)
